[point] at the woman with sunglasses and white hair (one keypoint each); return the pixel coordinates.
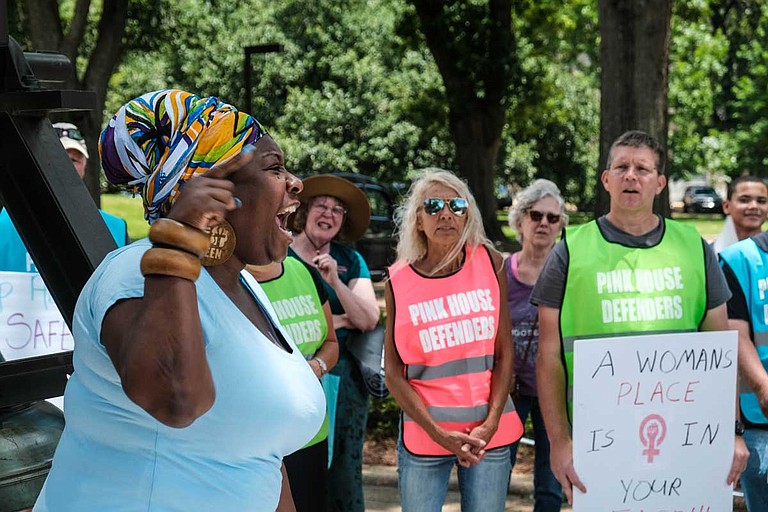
(538, 215)
(448, 351)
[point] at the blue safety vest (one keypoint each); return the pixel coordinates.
(750, 265)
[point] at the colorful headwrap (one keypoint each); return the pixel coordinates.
(161, 139)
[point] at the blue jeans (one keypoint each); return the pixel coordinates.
(547, 493)
(753, 480)
(423, 481)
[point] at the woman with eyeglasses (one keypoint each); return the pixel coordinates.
(333, 210)
(448, 351)
(538, 215)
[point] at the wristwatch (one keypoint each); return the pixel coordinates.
(322, 365)
(739, 428)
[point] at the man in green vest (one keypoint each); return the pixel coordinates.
(678, 287)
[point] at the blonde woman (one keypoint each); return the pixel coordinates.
(448, 351)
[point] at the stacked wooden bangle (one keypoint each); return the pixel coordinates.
(176, 250)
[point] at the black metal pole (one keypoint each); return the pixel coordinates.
(248, 69)
(49, 205)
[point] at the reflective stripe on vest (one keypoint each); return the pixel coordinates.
(750, 266)
(294, 298)
(627, 290)
(445, 333)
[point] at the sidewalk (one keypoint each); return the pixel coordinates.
(380, 487)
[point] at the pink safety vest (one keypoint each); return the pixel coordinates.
(445, 331)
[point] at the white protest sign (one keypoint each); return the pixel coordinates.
(30, 323)
(653, 422)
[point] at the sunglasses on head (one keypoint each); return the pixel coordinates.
(72, 133)
(457, 205)
(536, 216)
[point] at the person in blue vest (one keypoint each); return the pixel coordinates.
(566, 295)
(13, 254)
(746, 208)
(745, 267)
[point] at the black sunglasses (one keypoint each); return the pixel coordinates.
(536, 216)
(72, 133)
(457, 205)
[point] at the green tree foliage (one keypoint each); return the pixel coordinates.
(356, 88)
(345, 94)
(718, 84)
(553, 119)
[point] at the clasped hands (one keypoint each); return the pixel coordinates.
(468, 447)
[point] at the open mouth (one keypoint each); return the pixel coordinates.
(282, 217)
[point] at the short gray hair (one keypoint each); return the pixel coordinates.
(530, 195)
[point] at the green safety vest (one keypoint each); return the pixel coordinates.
(614, 290)
(294, 298)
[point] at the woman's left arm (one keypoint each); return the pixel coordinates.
(361, 311)
(329, 350)
(286, 500)
(501, 375)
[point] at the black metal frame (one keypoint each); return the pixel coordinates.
(50, 206)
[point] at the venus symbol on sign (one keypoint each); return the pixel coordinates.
(653, 430)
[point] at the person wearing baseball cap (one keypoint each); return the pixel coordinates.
(14, 256)
(74, 142)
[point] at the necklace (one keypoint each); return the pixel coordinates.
(317, 247)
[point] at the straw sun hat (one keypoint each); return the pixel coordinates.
(358, 208)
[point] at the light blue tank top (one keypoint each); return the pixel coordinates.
(113, 456)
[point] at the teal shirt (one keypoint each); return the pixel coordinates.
(14, 256)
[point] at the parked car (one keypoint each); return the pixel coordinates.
(378, 244)
(702, 199)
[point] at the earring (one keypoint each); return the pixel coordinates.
(222, 244)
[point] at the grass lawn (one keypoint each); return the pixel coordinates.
(131, 209)
(128, 208)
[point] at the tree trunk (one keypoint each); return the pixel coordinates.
(101, 65)
(46, 33)
(634, 61)
(476, 88)
(476, 132)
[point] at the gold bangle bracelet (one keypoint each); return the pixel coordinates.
(170, 262)
(174, 234)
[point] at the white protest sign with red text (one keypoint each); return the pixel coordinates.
(653, 422)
